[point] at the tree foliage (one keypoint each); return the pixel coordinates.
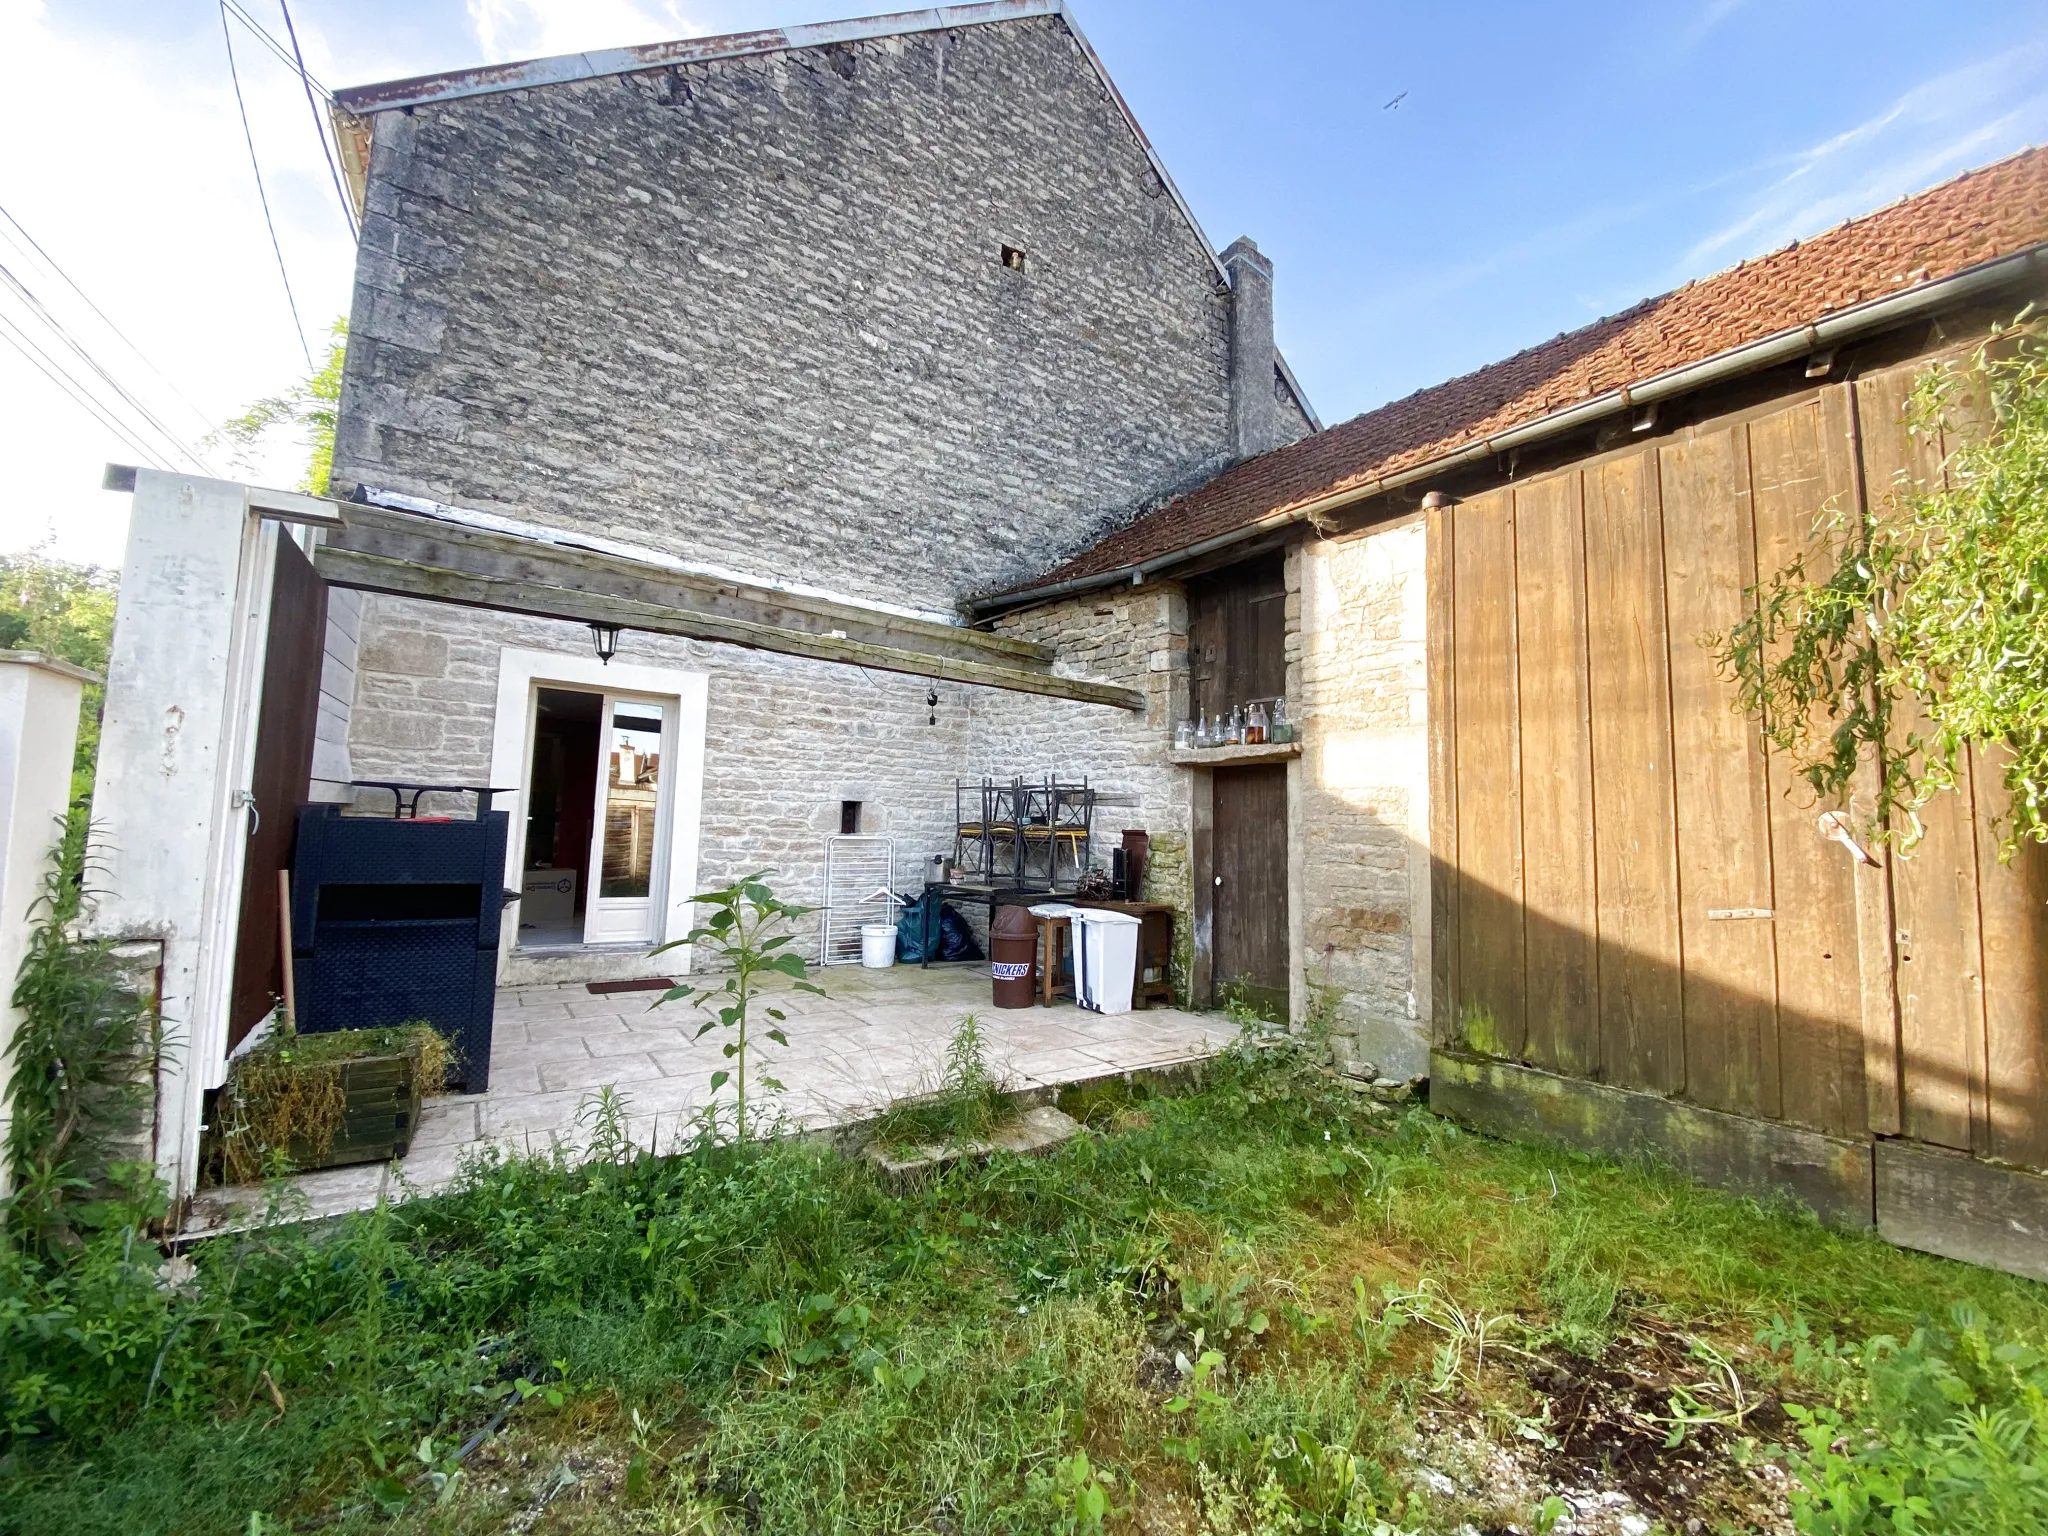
(309, 408)
(1915, 631)
(67, 611)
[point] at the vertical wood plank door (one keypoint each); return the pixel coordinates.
(1795, 479)
(1635, 825)
(1560, 935)
(1491, 1015)
(1724, 839)
(1934, 883)
(289, 711)
(1250, 886)
(1237, 636)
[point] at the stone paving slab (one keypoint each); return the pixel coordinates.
(875, 1037)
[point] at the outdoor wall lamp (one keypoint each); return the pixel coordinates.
(606, 638)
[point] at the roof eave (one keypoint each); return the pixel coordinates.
(1782, 346)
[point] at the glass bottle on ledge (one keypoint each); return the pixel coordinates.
(1202, 729)
(1255, 725)
(1281, 729)
(1233, 732)
(1183, 735)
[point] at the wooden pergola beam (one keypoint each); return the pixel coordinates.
(520, 559)
(408, 577)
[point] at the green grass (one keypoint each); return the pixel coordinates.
(762, 1338)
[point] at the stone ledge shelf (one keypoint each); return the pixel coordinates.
(1225, 757)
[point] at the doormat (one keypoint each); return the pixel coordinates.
(645, 984)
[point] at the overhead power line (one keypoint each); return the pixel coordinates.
(298, 326)
(44, 364)
(51, 262)
(285, 56)
(57, 328)
(320, 125)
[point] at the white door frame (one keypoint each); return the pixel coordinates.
(521, 674)
(664, 812)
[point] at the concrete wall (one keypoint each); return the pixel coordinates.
(39, 698)
(755, 311)
(1360, 820)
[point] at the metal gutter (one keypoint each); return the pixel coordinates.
(1751, 357)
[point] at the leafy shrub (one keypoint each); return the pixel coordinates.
(81, 1067)
(1946, 1432)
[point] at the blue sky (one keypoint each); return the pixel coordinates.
(1545, 165)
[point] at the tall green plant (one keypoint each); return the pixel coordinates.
(310, 406)
(80, 1068)
(741, 932)
(1933, 599)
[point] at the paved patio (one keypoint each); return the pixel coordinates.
(876, 1036)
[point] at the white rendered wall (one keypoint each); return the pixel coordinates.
(176, 743)
(39, 698)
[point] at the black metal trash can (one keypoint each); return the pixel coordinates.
(398, 920)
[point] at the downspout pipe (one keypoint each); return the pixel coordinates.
(1751, 357)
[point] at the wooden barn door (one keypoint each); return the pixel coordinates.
(1250, 886)
(284, 764)
(1629, 888)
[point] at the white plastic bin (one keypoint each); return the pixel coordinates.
(1105, 959)
(878, 945)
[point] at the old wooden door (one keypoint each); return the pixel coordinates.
(1237, 636)
(284, 764)
(1250, 886)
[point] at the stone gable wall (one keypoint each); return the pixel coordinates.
(754, 311)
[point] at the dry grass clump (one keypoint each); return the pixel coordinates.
(284, 1101)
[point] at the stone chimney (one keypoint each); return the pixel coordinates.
(1254, 413)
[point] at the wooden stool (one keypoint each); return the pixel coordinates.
(1055, 948)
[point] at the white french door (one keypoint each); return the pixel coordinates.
(630, 830)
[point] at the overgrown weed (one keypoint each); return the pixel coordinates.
(759, 1337)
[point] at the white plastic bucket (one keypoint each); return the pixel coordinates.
(878, 945)
(1106, 959)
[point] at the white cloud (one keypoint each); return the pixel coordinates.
(529, 29)
(131, 172)
(1940, 127)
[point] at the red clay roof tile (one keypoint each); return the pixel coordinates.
(1991, 212)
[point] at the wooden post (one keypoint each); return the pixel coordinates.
(284, 943)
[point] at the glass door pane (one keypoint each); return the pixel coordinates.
(622, 907)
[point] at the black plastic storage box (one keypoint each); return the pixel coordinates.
(396, 921)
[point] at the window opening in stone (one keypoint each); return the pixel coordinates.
(849, 816)
(1013, 258)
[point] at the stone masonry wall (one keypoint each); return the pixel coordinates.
(1362, 817)
(1136, 636)
(755, 311)
(789, 738)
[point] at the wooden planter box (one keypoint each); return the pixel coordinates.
(383, 1111)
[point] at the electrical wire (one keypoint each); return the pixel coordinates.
(51, 262)
(56, 326)
(44, 364)
(262, 197)
(257, 30)
(348, 209)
